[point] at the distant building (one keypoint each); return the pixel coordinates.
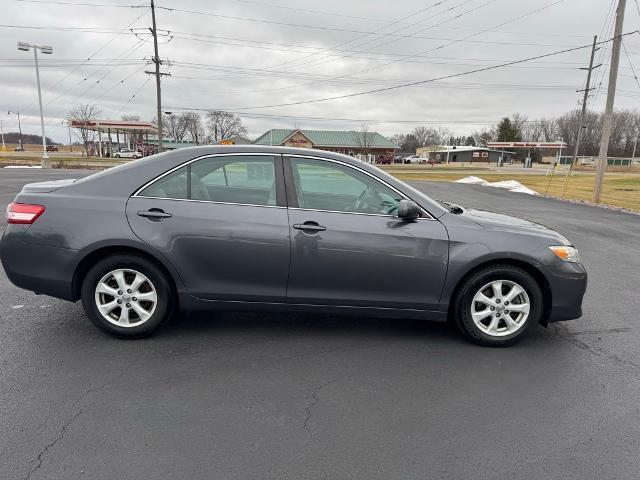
(347, 142)
(466, 154)
(236, 140)
(170, 144)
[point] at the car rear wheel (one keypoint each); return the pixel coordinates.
(127, 296)
(497, 305)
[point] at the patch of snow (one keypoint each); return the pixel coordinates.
(473, 181)
(526, 190)
(511, 185)
(23, 166)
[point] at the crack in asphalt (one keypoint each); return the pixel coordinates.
(60, 436)
(314, 402)
(65, 427)
(563, 332)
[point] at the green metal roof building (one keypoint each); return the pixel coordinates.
(347, 142)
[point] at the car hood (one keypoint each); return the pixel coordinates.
(499, 221)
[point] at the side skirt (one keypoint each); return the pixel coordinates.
(189, 303)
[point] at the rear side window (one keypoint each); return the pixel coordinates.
(247, 180)
(173, 185)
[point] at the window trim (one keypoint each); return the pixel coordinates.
(277, 168)
(292, 199)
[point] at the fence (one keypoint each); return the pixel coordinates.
(621, 162)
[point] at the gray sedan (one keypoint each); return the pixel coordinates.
(270, 228)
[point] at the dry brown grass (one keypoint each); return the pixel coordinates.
(619, 190)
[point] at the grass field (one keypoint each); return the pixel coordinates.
(620, 190)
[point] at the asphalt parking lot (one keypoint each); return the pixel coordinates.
(256, 396)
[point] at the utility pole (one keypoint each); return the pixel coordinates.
(158, 62)
(583, 113)
(633, 154)
(2, 132)
(9, 112)
(611, 94)
(69, 128)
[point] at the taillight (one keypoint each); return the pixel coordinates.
(23, 213)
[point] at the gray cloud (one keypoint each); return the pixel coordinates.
(231, 61)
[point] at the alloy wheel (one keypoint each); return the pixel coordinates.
(500, 308)
(126, 297)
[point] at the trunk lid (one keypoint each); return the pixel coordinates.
(48, 186)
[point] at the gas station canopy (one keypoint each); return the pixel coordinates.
(116, 125)
(500, 145)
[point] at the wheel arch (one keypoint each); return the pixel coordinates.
(97, 254)
(531, 269)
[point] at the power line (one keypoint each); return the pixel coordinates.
(456, 41)
(362, 39)
(421, 82)
(133, 96)
(82, 4)
(635, 76)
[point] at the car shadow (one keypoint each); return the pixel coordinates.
(299, 324)
(276, 326)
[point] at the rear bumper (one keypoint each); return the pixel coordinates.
(42, 269)
(568, 283)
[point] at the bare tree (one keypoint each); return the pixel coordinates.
(176, 126)
(80, 117)
(223, 125)
(365, 138)
(130, 118)
(194, 127)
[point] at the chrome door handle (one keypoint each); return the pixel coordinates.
(154, 214)
(309, 226)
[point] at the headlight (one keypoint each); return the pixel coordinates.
(568, 254)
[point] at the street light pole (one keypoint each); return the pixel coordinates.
(46, 50)
(2, 132)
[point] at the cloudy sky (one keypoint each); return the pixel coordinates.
(256, 57)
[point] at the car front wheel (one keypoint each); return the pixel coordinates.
(127, 296)
(497, 305)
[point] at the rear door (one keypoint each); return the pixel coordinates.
(349, 247)
(222, 222)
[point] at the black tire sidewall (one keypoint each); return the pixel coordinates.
(462, 310)
(151, 271)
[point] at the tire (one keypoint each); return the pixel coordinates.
(144, 315)
(483, 319)
(117, 156)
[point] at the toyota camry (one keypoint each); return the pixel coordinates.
(275, 228)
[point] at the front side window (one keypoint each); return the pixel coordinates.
(234, 179)
(322, 185)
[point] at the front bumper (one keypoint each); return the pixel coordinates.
(567, 284)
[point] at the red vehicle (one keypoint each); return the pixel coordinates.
(385, 159)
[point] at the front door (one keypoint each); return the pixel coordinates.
(348, 246)
(222, 222)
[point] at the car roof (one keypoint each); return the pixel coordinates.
(125, 179)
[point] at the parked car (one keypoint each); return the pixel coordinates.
(275, 228)
(385, 159)
(127, 153)
(19, 148)
(413, 159)
(52, 148)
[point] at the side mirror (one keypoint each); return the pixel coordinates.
(408, 210)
